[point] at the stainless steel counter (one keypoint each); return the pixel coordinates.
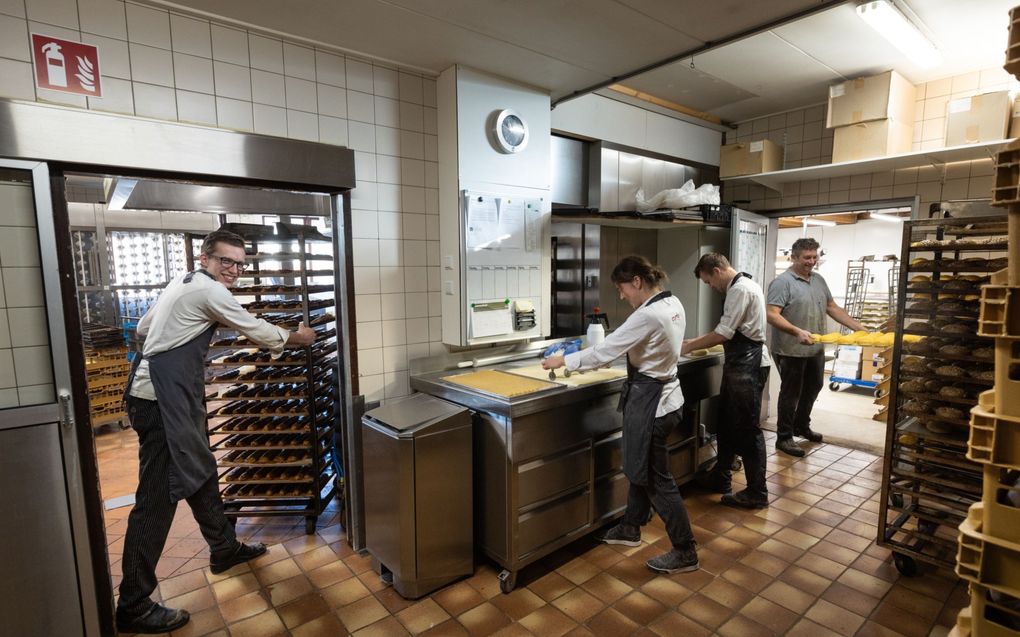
(548, 465)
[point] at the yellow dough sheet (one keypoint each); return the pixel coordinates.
(500, 383)
(576, 379)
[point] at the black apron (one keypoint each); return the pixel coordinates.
(639, 401)
(178, 379)
(741, 375)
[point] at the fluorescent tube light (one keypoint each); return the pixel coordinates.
(885, 18)
(884, 217)
(808, 221)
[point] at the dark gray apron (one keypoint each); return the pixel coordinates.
(178, 378)
(639, 401)
(743, 357)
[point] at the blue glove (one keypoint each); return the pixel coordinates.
(563, 348)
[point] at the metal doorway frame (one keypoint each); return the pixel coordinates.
(53, 141)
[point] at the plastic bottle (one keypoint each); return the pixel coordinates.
(596, 332)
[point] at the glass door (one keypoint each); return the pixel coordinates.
(43, 523)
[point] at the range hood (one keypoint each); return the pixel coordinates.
(606, 177)
(123, 193)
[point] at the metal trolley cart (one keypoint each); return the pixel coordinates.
(928, 482)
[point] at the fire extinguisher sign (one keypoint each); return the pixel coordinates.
(62, 65)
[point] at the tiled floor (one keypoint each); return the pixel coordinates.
(805, 566)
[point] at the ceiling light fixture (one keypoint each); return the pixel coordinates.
(810, 221)
(884, 17)
(884, 217)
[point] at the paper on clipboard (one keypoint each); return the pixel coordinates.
(490, 319)
(511, 223)
(482, 222)
(533, 220)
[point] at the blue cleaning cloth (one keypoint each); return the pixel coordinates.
(563, 348)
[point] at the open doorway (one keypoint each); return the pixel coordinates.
(859, 260)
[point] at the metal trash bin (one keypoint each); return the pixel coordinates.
(418, 492)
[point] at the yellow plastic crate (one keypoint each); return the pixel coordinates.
(994, 438)
(986, 560)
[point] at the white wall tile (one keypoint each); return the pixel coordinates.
(416, 351)
(298, 61)
(411, 117)
(414, 226)
(28, 326)
(266, 53)
(17, 80)
(270, 120)
(359, 76)
(430, 117)
(397, 385)
(191, 36)
(387, 112)
(234, 114)
(387, 140)
(364, 224)
(435, 276)
(118, 97)
(7, 378)
(19, 210)
(390, 252)
(366, 280)
(229, 45)
(366, 307)
(392, 306)
(431, 174)
(14, 39)
(5, 332)
(301, 95)
(415, 279)
(333, 130)
(385, 82)
(410, 88)
(412, 199)
(417, 304)
(435, 328)
(362, 136)
(268, 88)
(370, 361)
(330, 69)
(394, 332)
(428, 92)
(369, 334)
(103, 17)
(394, 358)
(151, 65)
(412, 145)
(364, 196)
(232, 80)
(36, 394)
(193, 73)
(360, 107)
(412, 173)
(388, 169)
(389, 197)
(365, 252)
(431, 148)
(301, 125)
(54, 31)
(32, 365)
(372, 387)
(432, 201)
(148, 26)
(364, 166)
(158, 102)
(418, 330)
(391, 279)
(332, 100)
(197, 108)
(15, 8)
(390, 226)
(432, 253)
(62, 13)
(113, 55)
(414, 252)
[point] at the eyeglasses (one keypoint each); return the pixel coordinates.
(227, 263)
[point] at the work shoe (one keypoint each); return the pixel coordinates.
(712, 481)
(744, 500)
(788, 446)
(810, 436)
(676, 561)
(241, 553)
(622, 534)
(158, 619)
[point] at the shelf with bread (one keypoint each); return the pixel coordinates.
(107, 368)
(939, 367)
(272, 421)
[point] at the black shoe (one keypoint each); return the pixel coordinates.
(712, 482)
(241, 553)
(158, 619)
(742, 500)
(676, 561)
(788, 446)
(810, 435)
(621, 534)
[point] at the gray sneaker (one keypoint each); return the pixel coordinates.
(621, 534)
(676, 561)
(789, 447)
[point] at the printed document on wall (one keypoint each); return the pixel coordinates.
(482, 222)
(511, 223)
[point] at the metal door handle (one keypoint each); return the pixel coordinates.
(66, 413)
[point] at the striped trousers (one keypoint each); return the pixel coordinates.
(153, 513)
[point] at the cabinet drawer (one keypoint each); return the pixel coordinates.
(545, 477)
(550, 522)
(608, 454)
(685, 429)
(682, 461)
(610, 495)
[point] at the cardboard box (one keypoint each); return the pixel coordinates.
(888, 95)
(873, 354)
(871, 139)
(980, 118)
(842, 369)
(1014, 121)
(750, 158)
(849, 353)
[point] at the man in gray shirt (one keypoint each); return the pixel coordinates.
(797, 304)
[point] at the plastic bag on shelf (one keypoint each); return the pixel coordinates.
(683, 197)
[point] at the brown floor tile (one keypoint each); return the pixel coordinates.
(740, 626)
(730, 548)
(265, 624)
(745, 535)
(550, 621)
(277, 571)
(247, 605)
(805, 580)
(632, 572)
(550, 586)
(483, 619)
(579, 605)
(705, 611)
(667, 591)
(201, 623)
(392, 600)
(422, 616)
(768, 564)
(388, 627)
(728, 594)
(867, 584)
(303, 610)
(640, 608)
(288, 589)
(871, 629)
(819, 565)
(519, 603)
(346, 592)
(788, 597)
(607, 588)
(361, 613)
(329, 574)
(672, 624)
(834, 552)
(896, 618)
(850, 599)
(485, 581)
(835, 618)
(513, 630)
(580, 631)
(232, 587)
(578, 570)
(449, 628)
(325, 626)
(747, 578)
(612, 622)
(772, 616)
(807, 628)
(174, 586)
(197, 600)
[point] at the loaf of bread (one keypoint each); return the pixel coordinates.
(951, 391)
(950, 413)
(954, 371)
(954, 350)
(984, 353)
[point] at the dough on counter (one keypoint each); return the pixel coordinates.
(500, 383)
(697, 353)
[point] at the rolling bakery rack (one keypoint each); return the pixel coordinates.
(928, 481)
(273, 423)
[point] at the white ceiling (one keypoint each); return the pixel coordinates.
(566, 45)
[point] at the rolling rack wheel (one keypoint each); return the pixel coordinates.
(834, 386)
(507, 581)
(905, 564)
(309, 526)
(896, 500)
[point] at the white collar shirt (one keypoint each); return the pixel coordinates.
(744, 312)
